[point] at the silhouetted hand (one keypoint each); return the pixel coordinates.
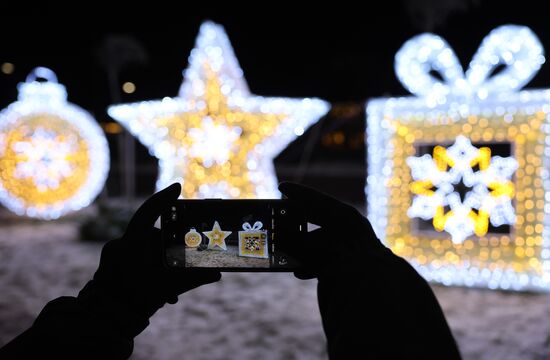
(129, 285)
(373, 304)
(342, 242)
(131, 271)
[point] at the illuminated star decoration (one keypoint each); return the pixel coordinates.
(216, 237)
(53, 155)
(491, 194)
(216, 138)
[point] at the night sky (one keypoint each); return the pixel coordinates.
(340, 53)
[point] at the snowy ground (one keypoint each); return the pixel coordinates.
(245, 316)
(215, 258)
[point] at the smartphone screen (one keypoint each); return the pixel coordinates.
(232, 235)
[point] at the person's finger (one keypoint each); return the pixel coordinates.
(108, 260)
(305, 274)
(189, 280)
(151, 209)
(313, 253)
(320, 208)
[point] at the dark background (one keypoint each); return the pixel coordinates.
(342, 53)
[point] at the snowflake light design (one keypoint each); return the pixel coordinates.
(489, 200)
(44, 158)
(54, 157)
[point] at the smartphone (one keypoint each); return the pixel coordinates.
(232, 235)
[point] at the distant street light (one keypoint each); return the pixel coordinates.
(7, 68)
(129, 87)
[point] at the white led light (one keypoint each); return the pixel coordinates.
(216, 137)
(53, 155)
(514, 46)
(213, 143)
(463, 115)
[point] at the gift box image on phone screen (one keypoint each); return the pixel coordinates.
(253, 241)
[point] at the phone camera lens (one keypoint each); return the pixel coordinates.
(283, 212)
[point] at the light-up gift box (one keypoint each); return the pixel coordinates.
(458, 180)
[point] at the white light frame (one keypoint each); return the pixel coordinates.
(457, 97)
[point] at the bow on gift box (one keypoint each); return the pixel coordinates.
(257, 226)
(515, 47)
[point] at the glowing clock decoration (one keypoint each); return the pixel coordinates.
(54, 157)
(458, 180)
(216, 138)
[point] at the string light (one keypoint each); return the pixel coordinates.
(54, 157)
(216, 138)
(421, 148)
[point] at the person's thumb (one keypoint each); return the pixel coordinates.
(151, 209)
(320, 208)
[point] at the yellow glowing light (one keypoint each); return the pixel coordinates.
(441, 158)
(502, 189)
(112, 128)
(440, 218)
(8, 68)
(129, 87)
(481, 221)
(421, 187)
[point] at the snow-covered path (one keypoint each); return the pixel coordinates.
(246, 315)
